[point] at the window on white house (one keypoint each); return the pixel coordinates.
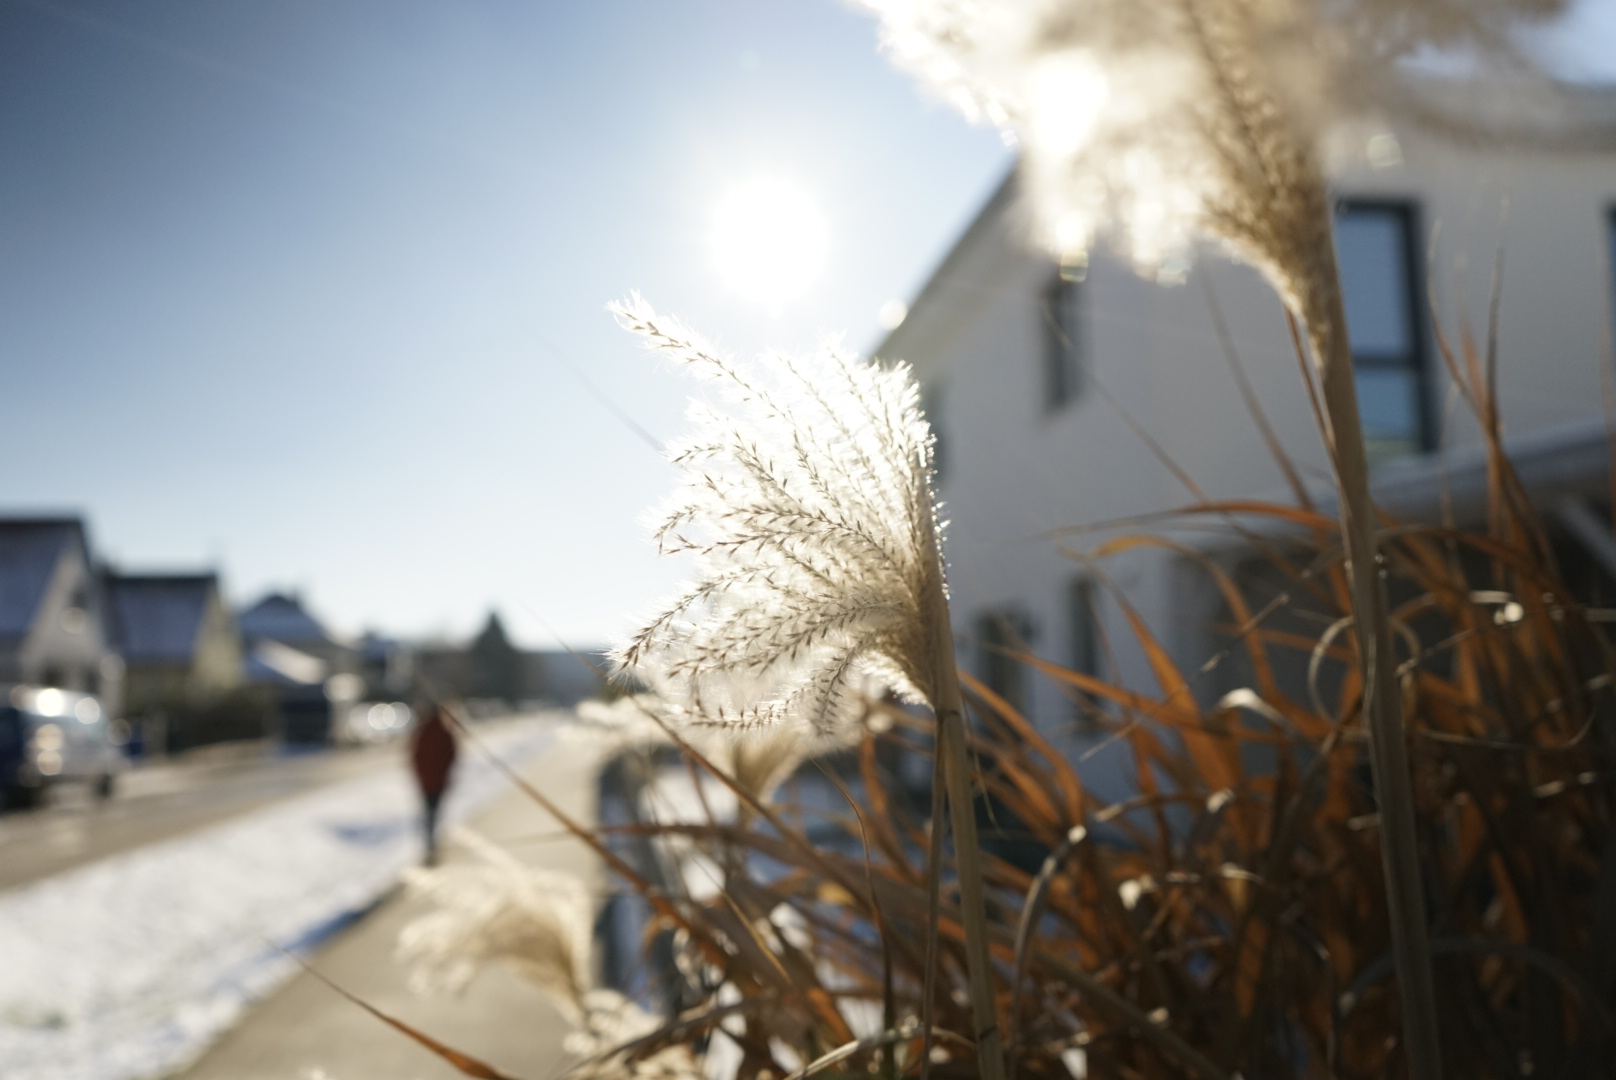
(1084, 627)
(1000, 632)
(1064, 337)
(1375, 244)
(1610, 260)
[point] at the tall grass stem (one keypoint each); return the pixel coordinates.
(949, 707)
(1388, 753)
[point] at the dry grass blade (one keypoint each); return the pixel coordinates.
(1140, 1024)
(465, 1063)
(902, 1033)
(687, 1027)
(1587, 993)
(1033, 910)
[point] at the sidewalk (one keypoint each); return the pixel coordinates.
(306, 1031)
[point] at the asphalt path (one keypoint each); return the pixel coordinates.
(162, 801)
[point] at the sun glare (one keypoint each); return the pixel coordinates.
(769, 239)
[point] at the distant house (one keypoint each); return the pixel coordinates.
(491, 668)
(177, 638)
(443, 671)
(309, 671)
(387, 666)
(284, 642)
(557, 677)
(51, 630)
(498, 672)
(488, 669)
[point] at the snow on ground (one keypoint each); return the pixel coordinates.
(129, 967)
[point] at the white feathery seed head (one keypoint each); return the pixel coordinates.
(540, 923)
(760, 761)
(1181, 119)
(806, 500)
(499, 910)
(757, 759)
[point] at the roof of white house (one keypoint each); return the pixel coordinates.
(937, 283)
(30, 549)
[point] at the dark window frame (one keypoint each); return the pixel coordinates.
(1063, 355)
(1418, 362)
(1610, 262)
(999, 628)
(1084, 646)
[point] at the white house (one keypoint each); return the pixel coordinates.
(177, 637)
(1048, 390)
(51, 629)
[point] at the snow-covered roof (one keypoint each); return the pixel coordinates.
(30, 549)
(155, 617)
(279, 617)
(275, 662)
(936, 289)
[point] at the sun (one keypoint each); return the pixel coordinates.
(769, 240)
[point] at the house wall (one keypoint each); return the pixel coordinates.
(150, 686)
(217, 662)
(213, 668)
(1014, 471)
(65, 645)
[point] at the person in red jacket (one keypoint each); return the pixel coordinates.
(432, 754)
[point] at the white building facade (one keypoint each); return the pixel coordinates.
(1059, 397)
(51, 618)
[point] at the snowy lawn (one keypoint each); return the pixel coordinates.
(129, 967)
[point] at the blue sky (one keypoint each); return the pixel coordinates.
(303, 289)
(299, 287)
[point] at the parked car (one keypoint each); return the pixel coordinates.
(50, 736)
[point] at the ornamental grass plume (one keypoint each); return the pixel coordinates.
(808, 507)
(806, 499)
(1178, 120)
(498, 909)
(539, 923)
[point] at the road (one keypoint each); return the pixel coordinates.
(163, 801)
(190, 888)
